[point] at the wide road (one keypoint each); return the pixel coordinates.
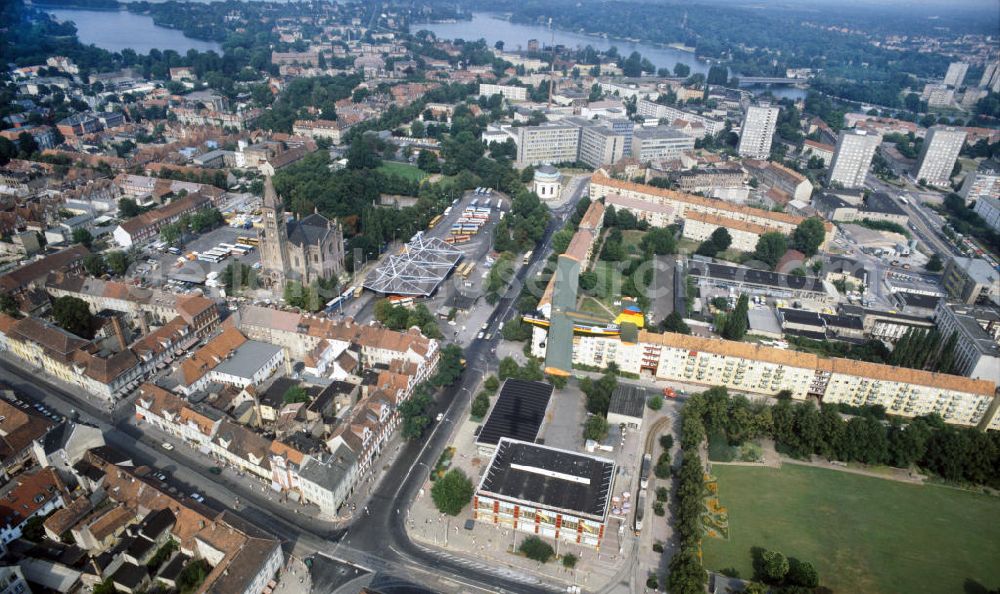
(377, 541)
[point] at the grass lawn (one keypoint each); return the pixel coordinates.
(401, 169)
(862, 534)
(631, 239)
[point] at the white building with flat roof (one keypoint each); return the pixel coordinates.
(956, 74)
(758, 131)
(853, 157)
(938, 155)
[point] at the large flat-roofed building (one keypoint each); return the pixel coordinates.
(517, 414)
(541, 490)
(984, 182)
(707, 125)
(628, 403)
(880, 206)
(956, 74)
(547, 144)
(762, 282)
(970, 279)
(509, 92)
(988, 208)
(977, 353)
(700, 226)
(938, 154)
(601, 145)
(758, 131)
(853, 157)
(660, 142)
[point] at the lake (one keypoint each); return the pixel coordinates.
(515, 36)
(118, 30)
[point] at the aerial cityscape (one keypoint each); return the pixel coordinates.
(521, 296)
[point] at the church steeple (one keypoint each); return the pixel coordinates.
(273, 237)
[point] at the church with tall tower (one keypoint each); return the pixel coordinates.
(303, 250)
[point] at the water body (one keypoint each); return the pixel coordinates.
(515, 37)
(119, 30)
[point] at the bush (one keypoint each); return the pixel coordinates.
(480, 406)
(491, 384)
(656, 402)
(657, 547)
(774, 566)
(652, 583)
(662, 468)
(666, 441)
(802, 573)
(569, 560)
(536, 549)
(596, 428)
(658, 508)
(661, 493)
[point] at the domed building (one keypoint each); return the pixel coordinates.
(547, 183)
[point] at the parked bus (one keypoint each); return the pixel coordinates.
(527, 258)
(434, 222)
(401, 300)
(468, 269)
(339, 300)
(206, 257)
(447, 211)
(474, 202)
(241, 250)
(250, 241)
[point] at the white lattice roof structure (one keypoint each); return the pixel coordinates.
(417, 270)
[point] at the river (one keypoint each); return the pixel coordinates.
(515, 36)
(118, 30)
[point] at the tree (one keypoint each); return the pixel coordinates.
(660, 240)
(82, 236)
(536, 549)
(675, 323)
(719, 241)
(774, 566)
(596, 428)
(656, 402)
(27, 144)
(118, 262)
(452, 492)
(95, 265)
(808, 236)
(480, 406)
(569, 560)
(770, 248)
(802, 573)
(718, 75)
(737, 321)
(934, 263)
(296, 394)
(449, 366)
(127, 208)
(72, 314)
(491, 384)
(681, 70)
(8, 304)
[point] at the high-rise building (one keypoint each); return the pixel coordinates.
(547, 144)
(991, 77)
(758, 130)
(937, 157)
(853, 157)
(660, 143)
(956, 74)
(984, 182)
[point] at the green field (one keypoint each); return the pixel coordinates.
(862, 534)
(402, 170)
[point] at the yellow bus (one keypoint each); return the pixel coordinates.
(434, 222)
(252, 241)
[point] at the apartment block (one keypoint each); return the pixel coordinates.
(938, 155)
(853, 157)
(700, 226)
(600, 145)
(970, 279)
(333, 130)
(786, 183)
(668, 206)
(509, 92)
(765, 370)
(658, 143)
(977, 354)
(758, 131)
(956, 74)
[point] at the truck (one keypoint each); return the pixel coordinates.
(669, 392)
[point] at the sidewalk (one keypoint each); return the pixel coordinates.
(491, 548)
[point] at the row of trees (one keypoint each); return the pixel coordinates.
(925, 349)
(686, 574)
(801, 430)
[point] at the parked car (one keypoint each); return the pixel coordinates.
(167, 446)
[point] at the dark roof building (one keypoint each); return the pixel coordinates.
(518, 413)
(545, 477)
(628, 402)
